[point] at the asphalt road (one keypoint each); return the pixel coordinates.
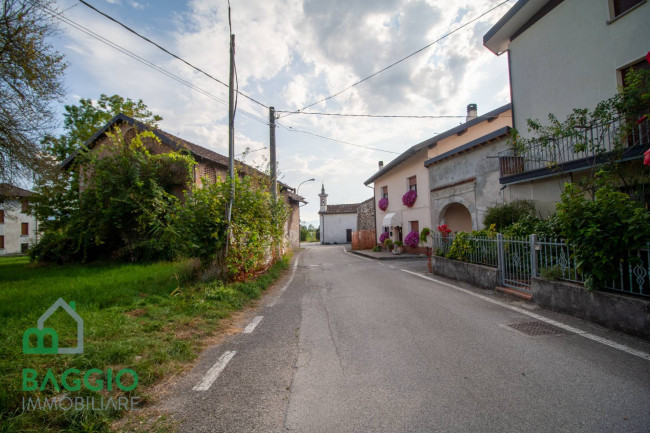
(357, 345)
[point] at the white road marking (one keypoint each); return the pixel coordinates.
(356, 255)
(214, 371)
(568, 328)
(293, 273)
(251, 326)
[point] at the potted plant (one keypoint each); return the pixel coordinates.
(398, 247)
(388, 244)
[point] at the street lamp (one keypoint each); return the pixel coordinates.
(308, 180)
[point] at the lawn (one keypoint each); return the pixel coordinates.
(149, 318)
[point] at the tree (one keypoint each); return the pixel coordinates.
(30, 79)
(83, 120)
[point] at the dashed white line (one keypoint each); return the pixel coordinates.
(214, 371)
(293, 273)
(251, 326)
(568, 328)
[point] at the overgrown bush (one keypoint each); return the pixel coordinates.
(504, 214)
(603, 231)
(460, 248)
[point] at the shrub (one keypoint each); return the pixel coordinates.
(460, 248)
(398, 243)
(505, 214)
(424, 233)
(603, 231)
(376, 248)
(388, 244)
(412, 239)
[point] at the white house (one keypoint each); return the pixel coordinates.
(565, 54)
(337, 221)
(18, 229)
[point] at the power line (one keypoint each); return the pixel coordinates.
(395, 116)
(144, 61)
(292, 129)
(169, 52)
(400, 60)
(248, 152)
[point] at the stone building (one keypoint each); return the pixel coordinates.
(211, 166)
(18, 229)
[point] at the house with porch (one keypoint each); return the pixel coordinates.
(564, 55)
(211, 166)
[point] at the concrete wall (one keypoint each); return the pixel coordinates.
(476, 195)
(333, 227)
(481, 276)
(571, 57)
(11, 228)
(621, 312)
(544, 192)
(397, 182)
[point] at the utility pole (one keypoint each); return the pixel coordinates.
(231, 137)
(274, 176)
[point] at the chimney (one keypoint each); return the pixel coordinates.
(472, 112)
(381, 164)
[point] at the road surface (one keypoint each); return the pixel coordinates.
(348, 344)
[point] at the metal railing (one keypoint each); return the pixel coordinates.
(591, 142)
(519, 259)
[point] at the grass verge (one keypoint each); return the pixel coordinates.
(152, 319)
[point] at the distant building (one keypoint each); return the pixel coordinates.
(337, 221)
(18, 229)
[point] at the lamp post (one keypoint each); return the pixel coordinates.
(308, 180)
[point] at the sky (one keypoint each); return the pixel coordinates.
(290, 54)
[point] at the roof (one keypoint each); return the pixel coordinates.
(175, 143)
(434, 140)
(341, 208)
(523, 13)
(499, 133)
(8, 190)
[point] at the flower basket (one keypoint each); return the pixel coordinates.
(383, 237)
(409, 198)
(412, 239)
(383, 204)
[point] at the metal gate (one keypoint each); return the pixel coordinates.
(517, 261)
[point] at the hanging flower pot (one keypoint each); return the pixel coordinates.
(383, 204)
(409, 198)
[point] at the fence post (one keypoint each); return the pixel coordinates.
(500, 258)
(533, 256)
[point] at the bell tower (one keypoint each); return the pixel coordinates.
(323, 199)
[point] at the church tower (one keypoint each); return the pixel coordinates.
(323, 199)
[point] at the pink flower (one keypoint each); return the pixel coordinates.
(412, 239)
(383, 204)
(409, 198)
(646, 158)
(383, 237)
(642, 119)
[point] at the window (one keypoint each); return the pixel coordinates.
(413, 184)
(2, 242)
(24, 206)
(384, 192)
(24, 229)
(415, 226)
(24, 248)
(642, 64)
(2, 216)
(210, 174)
(622, 6)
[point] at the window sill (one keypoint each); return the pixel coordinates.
(636, 6)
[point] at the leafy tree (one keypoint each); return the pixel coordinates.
(30, 79)
(505, 214)
(83, 120)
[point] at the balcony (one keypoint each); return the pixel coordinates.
(589, 147)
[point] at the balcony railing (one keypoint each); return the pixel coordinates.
(575, 151)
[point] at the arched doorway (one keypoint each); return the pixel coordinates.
(457, 218)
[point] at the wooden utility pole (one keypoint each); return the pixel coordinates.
(231, 137)
(274, 175)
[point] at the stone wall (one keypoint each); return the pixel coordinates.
(481, 276)
(366, 215)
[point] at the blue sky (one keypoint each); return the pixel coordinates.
(291, 53)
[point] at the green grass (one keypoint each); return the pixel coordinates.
(150, 318)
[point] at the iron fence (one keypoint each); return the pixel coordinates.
(519, 259)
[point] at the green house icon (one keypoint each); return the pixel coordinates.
(41, 332)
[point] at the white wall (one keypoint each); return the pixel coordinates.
(11, 228)
(570, 58)
(333, 227)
